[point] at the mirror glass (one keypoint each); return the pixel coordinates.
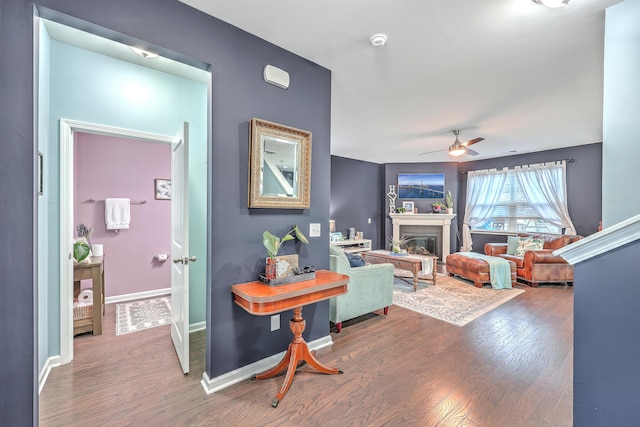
(279, 166)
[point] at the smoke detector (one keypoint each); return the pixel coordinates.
(378, 40)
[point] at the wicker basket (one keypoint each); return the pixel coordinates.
(82, 311)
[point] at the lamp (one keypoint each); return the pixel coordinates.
(552, 3)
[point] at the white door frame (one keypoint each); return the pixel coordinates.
(67, 130)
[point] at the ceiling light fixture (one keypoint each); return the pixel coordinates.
(144, 53)
(378, 40)
(457, 149)
(552, 3)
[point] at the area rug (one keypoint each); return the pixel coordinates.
(450, 300)
(142, 314)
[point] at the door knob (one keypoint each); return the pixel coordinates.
(185, 260)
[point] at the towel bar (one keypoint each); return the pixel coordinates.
(133, 202)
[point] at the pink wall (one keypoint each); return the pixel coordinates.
(118, 167)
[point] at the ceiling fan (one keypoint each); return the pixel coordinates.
(458, 148)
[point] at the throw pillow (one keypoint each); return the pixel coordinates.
(528, 244)
(512, 245)
(354, 260)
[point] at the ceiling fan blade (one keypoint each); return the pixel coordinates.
(473, 141)
(471, 152)
(431, 152)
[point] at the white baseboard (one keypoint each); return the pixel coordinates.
(51, 362)
(138, 295)
(194, 327)
(225, 380)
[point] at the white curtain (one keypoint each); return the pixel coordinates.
(483, 192)
(545, 187)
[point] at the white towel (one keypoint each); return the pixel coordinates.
(117, 213)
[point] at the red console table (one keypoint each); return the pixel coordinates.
(261, 300)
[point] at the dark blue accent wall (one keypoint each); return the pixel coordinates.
(356, 195)
(236, 252)
(18, 390)
(606, 344)
(584, 185)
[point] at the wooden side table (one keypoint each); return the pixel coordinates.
(260, 300)
(94, 270)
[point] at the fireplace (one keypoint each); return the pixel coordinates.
(422, 244)
(425, 225)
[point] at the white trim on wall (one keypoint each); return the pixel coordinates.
(138, 295)
(51, 362)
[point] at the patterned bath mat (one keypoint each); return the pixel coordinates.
(451, 300)
(143, 314)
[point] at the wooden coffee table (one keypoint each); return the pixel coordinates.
(412, 263)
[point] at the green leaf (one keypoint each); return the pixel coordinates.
(80, 251)
(299, 235)
(271, 243)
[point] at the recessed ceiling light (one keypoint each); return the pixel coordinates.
(144, 53)
(378, 40)
(552, 3)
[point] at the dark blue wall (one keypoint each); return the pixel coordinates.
(236, 253)
(18, 390)
(606, 344)
(584, 185)
(356, 195)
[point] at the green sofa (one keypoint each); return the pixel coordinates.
(370, 288)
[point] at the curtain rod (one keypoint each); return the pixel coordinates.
(133, 202)
(513, 167)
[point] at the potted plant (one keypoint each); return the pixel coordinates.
(448, 201)
(437, 206)
(273, 243)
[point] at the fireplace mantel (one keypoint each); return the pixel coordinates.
(441, 220)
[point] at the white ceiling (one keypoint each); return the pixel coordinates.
(525, 77)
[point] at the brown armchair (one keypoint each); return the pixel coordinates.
(538, 266)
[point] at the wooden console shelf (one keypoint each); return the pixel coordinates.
(94, 270)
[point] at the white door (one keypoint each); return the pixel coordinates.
(180, 246)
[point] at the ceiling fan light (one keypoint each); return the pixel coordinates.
(552, 3)
(457, 150)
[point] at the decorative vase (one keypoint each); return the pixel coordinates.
(271, 269)
(449, 210)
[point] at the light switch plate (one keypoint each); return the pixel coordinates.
(314, 230)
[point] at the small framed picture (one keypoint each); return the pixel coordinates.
(408, 207)
(336, 237)
(163, 189)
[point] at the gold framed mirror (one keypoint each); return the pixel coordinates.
(279, 166)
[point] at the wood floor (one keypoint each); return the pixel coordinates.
(511, 367)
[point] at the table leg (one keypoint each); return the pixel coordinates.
(298, 351)
(434, 269)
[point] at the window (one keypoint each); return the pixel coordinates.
(529, 198)
(514, 213)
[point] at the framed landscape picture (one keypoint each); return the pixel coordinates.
(421, 185)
